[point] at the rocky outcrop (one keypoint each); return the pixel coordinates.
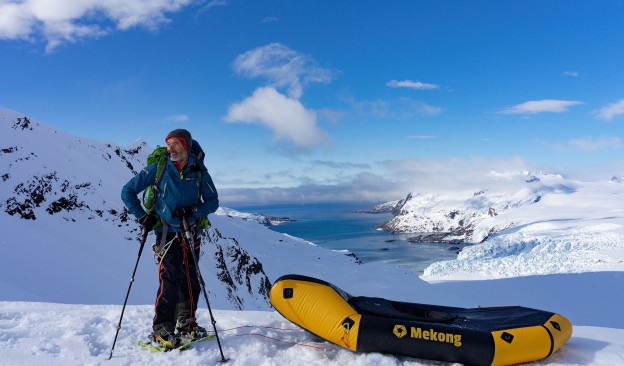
(238, 270)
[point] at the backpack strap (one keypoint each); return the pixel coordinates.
(163, 239)
(162, 247)
(160, 172)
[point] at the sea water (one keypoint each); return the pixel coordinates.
(337, 226)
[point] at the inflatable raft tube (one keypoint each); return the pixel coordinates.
(480, 336)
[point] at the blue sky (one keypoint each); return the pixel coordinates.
(330, 100)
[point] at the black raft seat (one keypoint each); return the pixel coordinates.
(399, 310)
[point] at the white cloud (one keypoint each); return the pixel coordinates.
(215, 3)
(15, 21)
(60, 21)
(451, 174)
(540, 106)
(270, 19)
(363, 186)
(427, 109)
(286, 117)
(341, 164)
(178, 118)
(571, 73)
(333, 116)
(283, 114)
(282, 67)
(209, 6)
(611, 110)
(601, 143)
(411, 85)
(402, 108)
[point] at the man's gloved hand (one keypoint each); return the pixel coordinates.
(148, 221)
(183, 212)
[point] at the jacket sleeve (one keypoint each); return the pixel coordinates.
(209, 195)
(136, 185)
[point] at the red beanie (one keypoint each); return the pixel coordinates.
(183, 136)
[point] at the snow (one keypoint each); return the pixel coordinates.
(63, 276)
(59, 334)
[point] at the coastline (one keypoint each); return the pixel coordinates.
(354, 228)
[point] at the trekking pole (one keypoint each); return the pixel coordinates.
(143, 239)
(190, 243)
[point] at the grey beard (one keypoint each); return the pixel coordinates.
(178, 157)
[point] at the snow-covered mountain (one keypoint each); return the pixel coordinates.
(266, 220)
(473, 215)
(386, 207)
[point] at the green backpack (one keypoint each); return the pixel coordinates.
(159, 155)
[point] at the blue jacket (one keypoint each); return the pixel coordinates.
(177, 189)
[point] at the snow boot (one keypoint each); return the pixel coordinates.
(189, 329)
(164, 339)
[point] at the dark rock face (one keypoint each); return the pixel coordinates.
(237, 269)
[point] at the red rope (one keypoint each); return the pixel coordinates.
(272, 338)
(259, 326)
(287, 342)
(188, 282)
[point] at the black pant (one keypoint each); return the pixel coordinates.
(179, 285)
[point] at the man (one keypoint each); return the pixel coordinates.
(186, 192)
